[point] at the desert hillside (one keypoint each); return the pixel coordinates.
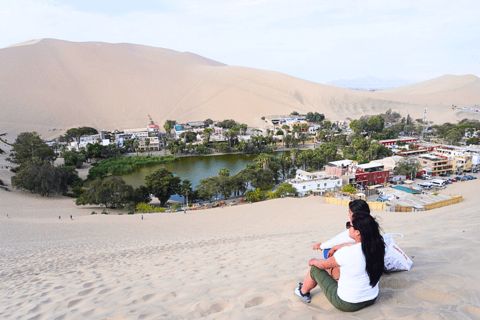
(51, 85)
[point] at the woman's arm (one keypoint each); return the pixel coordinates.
(335, 248)
(324, 264)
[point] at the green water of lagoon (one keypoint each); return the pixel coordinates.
(192, 168)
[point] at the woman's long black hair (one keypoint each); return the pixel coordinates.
(359, 207)
(373, 245)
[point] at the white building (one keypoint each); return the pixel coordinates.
(305, 182)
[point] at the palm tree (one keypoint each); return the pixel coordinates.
(285, 164)
(207, 133)
(185, 189)
(294, 154)
(263, 159)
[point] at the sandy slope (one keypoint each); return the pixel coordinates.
(51, 85)
(233, 263)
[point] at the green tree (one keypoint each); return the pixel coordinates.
(29, 145)
(243, 128)
(226, 124)
(454, 136)
(73, 158)
(262, 178)
(139, 195)
(284, 189)
(207, 132)
(169, 125)
(189, 136)
(375, 124)
(408, 167)
(208, 188)
(315, 117)
(42, 177)
(113, 192)
(185, 189)
(163, 184)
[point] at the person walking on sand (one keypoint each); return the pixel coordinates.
(358, 268)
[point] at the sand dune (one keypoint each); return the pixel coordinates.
(234, 263)
(52, 85)
(445, 83)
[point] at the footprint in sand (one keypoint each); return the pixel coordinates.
(63, 316)
(73, 303)
(105, 291)
(85, 292)
(88, 284)
(148, 297)
(206, 309)
(253, 302)
(90, 313)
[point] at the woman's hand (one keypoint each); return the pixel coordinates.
(332, 251)
(317, 247)
(313, 261)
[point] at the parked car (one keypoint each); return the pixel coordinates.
(459, 178)
(453, 180)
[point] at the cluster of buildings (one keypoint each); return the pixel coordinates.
(434, 160)
(148, 138)
(301, 121)
(340, 173)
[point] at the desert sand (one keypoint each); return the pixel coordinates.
(52, 85)
(240, 262)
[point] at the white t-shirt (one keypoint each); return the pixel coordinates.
(354, 283)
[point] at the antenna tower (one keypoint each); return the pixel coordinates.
(425, 114)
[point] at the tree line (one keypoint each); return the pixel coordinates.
(36, 171)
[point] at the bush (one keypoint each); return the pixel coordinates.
(146, 208)
(263, 118)
(271, 195)
(143, 207)
(176, 206)
(93, 212)
(104, 211)
(130, 212)
(256, 195)
(120, 213)
(349, 188)
(285, 188)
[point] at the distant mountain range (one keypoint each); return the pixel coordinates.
(369, 83)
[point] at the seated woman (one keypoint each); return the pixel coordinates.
(359, 267)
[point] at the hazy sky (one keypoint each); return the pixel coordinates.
(311, 39)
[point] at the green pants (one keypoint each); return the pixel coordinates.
(329, 287)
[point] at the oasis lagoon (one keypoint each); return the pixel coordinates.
(193, 168)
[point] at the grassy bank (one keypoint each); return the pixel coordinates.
(123, 165)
